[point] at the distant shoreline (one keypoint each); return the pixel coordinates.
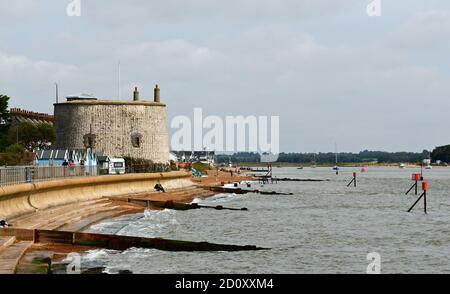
(360, 164)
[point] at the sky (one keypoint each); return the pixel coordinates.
(329, 71)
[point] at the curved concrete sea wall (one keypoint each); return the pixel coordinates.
(26, 198)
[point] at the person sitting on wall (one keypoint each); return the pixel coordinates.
(160, 188)
(4, 224)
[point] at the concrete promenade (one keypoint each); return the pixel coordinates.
(70, 206)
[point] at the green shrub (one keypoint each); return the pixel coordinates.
(202, 167)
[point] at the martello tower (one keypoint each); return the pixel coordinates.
(135, 128)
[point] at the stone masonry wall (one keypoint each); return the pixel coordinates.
(113, 126)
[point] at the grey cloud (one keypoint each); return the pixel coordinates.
(322, 79)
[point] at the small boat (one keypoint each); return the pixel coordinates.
(428, 162)
(402, 165)
(336, 167)
(301, 167)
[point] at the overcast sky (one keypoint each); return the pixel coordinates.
(329, 71)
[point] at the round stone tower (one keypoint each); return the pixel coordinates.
(135, 128)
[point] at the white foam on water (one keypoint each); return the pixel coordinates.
(96, 254)
(152, 224)
(222, 198)
(160, 216)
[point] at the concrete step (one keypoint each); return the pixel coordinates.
(74, 214)
(93, 219)
(153, 193)
(5, 242)
(29, 221)
(170, 194)
(11, 255)
(75, 218)
(44, 221)
(49, 211)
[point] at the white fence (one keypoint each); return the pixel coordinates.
(29, 174)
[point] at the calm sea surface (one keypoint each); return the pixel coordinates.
(324, 227)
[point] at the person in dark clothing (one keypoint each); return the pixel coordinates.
(159, 188)
(65, 163)
(4, 223)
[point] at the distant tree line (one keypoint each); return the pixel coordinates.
(441, 153)
(242, 157)
(323, 158)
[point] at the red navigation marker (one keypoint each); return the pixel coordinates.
(415, 177)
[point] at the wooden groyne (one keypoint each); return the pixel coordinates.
(245, 191)
(118, 242)
(300, 180)
(272, 179)
(177, 205)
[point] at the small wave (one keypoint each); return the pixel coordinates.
(96, 254)
(159, 215)
(153, 223)
(221, 197)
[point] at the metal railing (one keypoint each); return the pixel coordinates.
(30, 174)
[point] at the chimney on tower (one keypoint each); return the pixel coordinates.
(136, 94)
(157, 97)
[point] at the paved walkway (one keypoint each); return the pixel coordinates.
(11, 251)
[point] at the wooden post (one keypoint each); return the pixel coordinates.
(425, 201)
(415, 178)
(409, 210)
(424, 195)
(352, 181)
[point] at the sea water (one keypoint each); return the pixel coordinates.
(324, 227)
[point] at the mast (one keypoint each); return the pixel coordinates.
(335, 153)
(336, 156)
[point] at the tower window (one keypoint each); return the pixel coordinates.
(136, 140)
(89, 141)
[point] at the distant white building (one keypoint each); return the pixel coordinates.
(208, 157)
(56, 157)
